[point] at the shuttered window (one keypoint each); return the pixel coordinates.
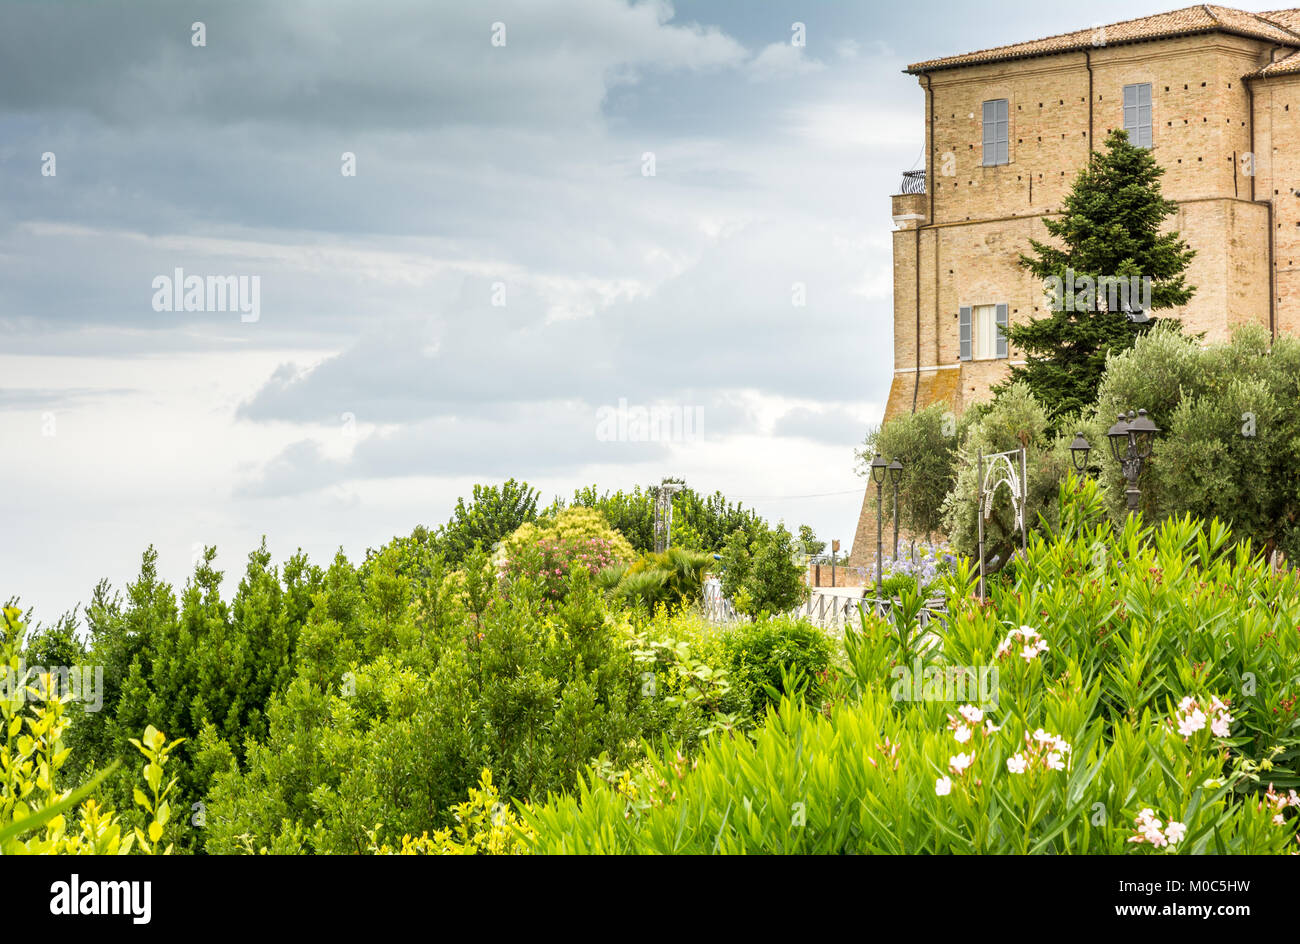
(982, 332)
(997, 132)
(1137, 114)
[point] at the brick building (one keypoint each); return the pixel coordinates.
(1210, 89)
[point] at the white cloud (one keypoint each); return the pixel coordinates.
(782, 60)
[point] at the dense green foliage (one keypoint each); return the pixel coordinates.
(1231, 441)
(672, 579)
(763, 656)
(1014, 419)
(700, 523)
(763, 574)
(1229, 446)
(1110, 226)
(1156, 683)
(356, 708)
(926, 444)
(37, 816)
(570, 526)
(198, 662)
(493, 514)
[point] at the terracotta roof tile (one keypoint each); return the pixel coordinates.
(1286, 65)
(1290, 19)
(1282, 27)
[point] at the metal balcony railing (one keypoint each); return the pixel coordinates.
(913, 181)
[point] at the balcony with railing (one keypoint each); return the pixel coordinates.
(909, 204)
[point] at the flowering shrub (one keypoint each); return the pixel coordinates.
(573, 525)
(1149, 831)
(932, 563)
(551, 561)
(1026, 640)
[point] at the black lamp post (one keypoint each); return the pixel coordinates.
(1131, 439)
(1079, 450)
(895, 477)
(878, 470)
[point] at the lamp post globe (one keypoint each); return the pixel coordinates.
(1118, 436)
(1143, 431)
(1079, 450)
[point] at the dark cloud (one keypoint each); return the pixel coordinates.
(832, 425)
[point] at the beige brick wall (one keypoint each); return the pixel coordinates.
(977, 220)
(1277, 160)
(983, 217)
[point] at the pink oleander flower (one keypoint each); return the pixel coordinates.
(1149, 830)
(1042, 749)
(1032, 644)
(1191, 722)
(942, 786)
(1192, 715)
(962, 734)
(958, 763)
(971, 713)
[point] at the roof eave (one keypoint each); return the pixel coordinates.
(942, 65)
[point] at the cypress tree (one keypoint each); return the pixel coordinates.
(1109, 228)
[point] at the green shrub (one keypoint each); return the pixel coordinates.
(762, 575)
(37, 816)
(1012, 420)
(762, 655)
(926, 443)
(896, 584)
(534, 693)
(700, 523)
(1231, 442)
(551, 560)
(491, 516)
(673, 579)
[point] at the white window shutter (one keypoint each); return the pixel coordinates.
(963, 326)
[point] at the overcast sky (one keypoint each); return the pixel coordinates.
(500, 267)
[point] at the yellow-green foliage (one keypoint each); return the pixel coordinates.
(572, 524)
(485, 825)
(34, 812)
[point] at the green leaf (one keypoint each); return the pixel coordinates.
(45, 814)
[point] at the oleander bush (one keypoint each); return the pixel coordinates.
(1145, 702)
(570, 527)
